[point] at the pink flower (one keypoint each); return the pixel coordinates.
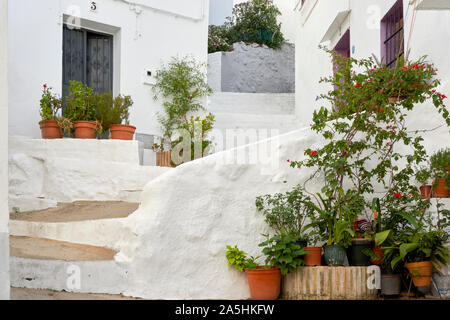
(313, 153)
(45, 86)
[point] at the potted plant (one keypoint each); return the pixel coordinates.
(336, 215)
(440, 167)
(391, 276)
(80, 109)
(361, 244)
(423, 176)
(181, 84)
(120, 127)
(50, 105)
(283, 256)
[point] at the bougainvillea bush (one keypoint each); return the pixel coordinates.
(368, 147)
(218, 38)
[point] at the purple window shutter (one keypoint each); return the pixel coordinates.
(392, 34)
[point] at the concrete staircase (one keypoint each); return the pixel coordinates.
(269, 111)
(50, 248)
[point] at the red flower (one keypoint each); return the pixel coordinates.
(415, 85)
(434, 91)
(388, 143)
(289, 160)
(443, 96)
(358, 85)
(447, 169)
(375, 67)
(45, 86)
(405, 68)
(388, 127)
(313, 153)
(397, 195)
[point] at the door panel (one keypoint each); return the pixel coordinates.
(74, 63)
(99, 62)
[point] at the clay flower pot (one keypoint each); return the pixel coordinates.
(50, 129)
(420, 272)
(85, 129)
(122, 131)
(441, 190)
(314, 258)
(425, 191)
(264, 284)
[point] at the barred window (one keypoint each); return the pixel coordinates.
(392, 34)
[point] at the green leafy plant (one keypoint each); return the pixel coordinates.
(282, 251)
(80, 103)
(180, 84)
(440, 165)
(218, 38)
(50, 104)
(239, 260)
(335, 216)
(287, 211)
(198, 130)
(255, 21)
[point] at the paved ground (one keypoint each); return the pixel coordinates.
(32, 294)
(34, 248)
(79, 211)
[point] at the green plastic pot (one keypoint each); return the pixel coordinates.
(357, 256)
(334, 255)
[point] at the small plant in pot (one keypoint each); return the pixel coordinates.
(120, 128)
(335, 216)
(391, 271)
(423, 176)
(50, 106)
(440, 168)
(283, 256)
(289, 211)
(81, 110)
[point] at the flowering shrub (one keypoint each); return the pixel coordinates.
(218, 39)
(254, 21)
(49, 104)
(363, 131)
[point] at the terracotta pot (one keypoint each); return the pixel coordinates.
(85, 129)
(314, 257)
(420, 272)
(264, 284)
(163, 159)
(425, 191)
(50, 129)
(441, 190)
(122, 131)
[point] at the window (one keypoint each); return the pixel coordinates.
(87, 57)
(392, 35)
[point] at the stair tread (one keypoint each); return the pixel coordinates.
(79, 211)
(45, 249)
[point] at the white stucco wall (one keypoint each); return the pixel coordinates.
(144, 37)
(365, 40)
(4, 213)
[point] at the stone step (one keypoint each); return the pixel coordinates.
(46, 249)
(35, 294)
(63, 266)
(252, 103)
(284, 123)
(97, 223)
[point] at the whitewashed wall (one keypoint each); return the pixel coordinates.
(4, 213)
(430, 36)
(144, 36)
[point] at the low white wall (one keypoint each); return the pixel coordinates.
(144, 38)
(44, 172)
(4, 214)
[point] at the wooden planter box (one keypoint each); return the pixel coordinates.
(163, 159)
(328, 283)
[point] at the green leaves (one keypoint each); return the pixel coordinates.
(282, 252)
(238, 259)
